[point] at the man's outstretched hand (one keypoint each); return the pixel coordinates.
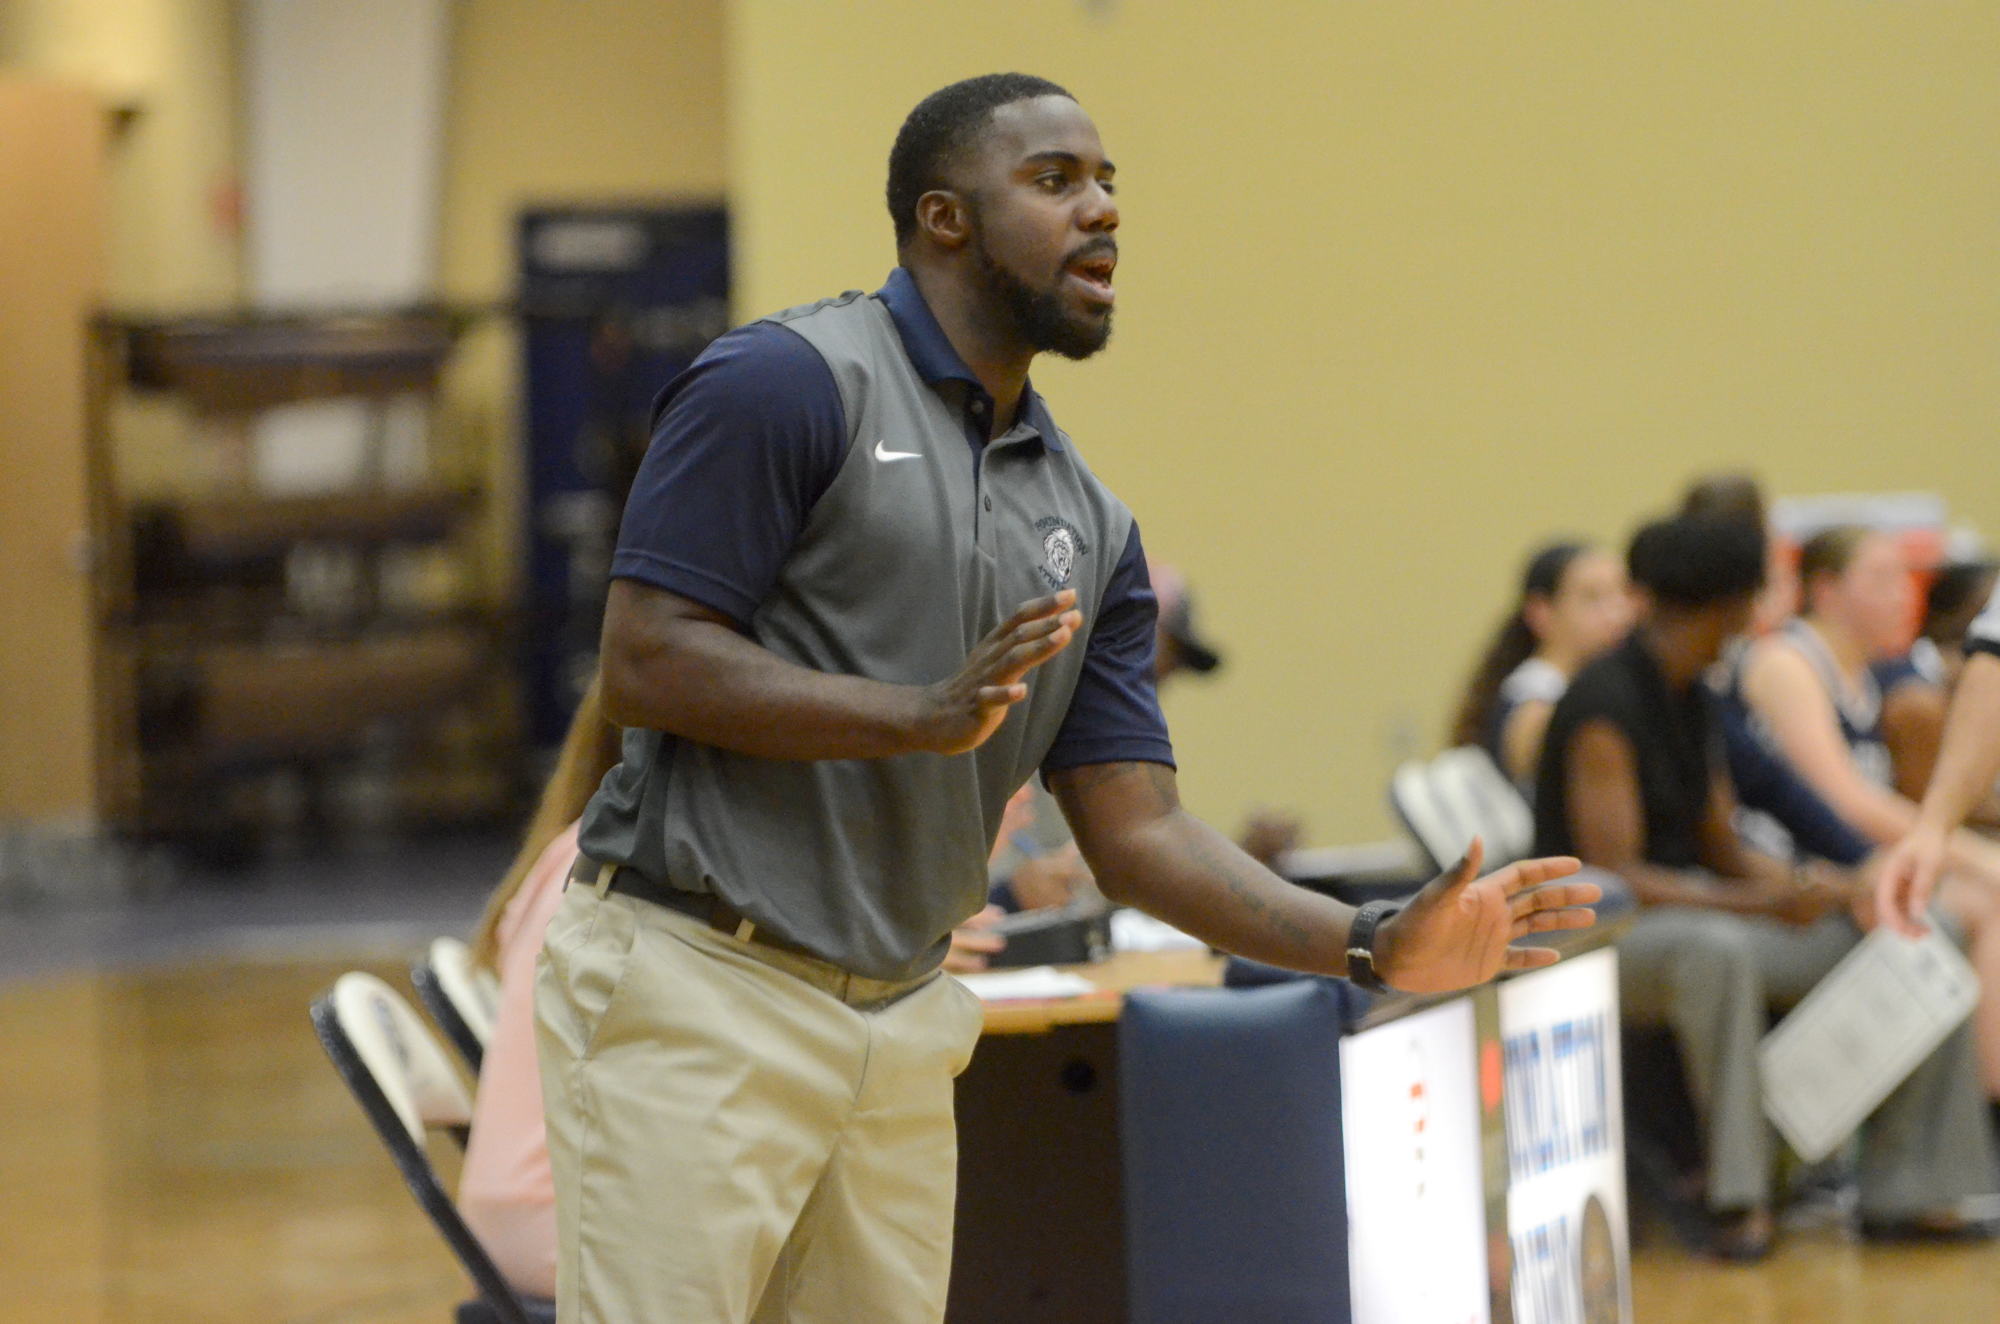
(1455, 932)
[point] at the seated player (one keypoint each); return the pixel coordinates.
(1633, 780)
(1968, 761)
(1916, 687)
(1780, 812)
(1812, 687)
(1574, 603)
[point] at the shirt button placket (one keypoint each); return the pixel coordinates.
(977, 409)
(983, 513)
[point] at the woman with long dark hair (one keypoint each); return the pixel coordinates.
(1573, 605)
(506, 1192)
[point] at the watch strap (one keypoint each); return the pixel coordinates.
(1368, 921)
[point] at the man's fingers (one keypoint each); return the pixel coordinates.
(1521, 875)
(999, 696)
(1530, 958)
(994, 646)
(1022, 658)
(1029, 633)
(1036, 608)
(1468, 864)
(1555, 896)
(1547, 921)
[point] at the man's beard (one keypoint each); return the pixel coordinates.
(1038, 315)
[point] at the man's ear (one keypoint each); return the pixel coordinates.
(944, 216)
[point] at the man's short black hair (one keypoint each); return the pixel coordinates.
(1697, 561)
(943, 126)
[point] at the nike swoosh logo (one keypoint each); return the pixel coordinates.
(882, 452)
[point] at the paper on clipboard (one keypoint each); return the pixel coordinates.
(1860, 1033)
(1031, 984)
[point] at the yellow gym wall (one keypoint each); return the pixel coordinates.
(172, 245)
(561, 101)
(1406, 288)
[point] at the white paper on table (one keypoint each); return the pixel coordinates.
(1136, 931)
(1030, 984)
(1860, 1033)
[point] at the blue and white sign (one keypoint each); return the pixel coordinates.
(1566, 1212)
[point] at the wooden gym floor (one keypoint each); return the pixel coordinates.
(177, 1148)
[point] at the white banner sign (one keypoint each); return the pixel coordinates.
(1416, 1214)
(1566, 1216)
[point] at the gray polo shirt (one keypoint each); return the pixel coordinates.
(822, 477)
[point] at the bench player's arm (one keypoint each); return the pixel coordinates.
(1966, 766)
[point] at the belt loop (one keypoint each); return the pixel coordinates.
(744, 930)
(605, 873)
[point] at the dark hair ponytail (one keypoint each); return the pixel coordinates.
(1513, 644)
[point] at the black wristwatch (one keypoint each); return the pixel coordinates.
(1368, 921)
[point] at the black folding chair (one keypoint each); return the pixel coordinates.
(400, 1075)
(464, 1001)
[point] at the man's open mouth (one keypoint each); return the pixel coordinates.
(1094, 275)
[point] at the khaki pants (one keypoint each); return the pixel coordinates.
(742, 1134)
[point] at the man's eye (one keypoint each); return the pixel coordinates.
(1053, 183)
(1107, 186)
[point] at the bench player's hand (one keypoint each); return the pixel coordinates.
(973, 946)
(1907, 879)
(958, 714)
(1455, 933)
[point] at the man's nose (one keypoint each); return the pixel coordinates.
(1100, 211)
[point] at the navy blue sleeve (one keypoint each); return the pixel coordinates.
(744, 443)
(1114, 716)
(1765, 780)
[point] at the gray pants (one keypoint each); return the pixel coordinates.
(1713, 979)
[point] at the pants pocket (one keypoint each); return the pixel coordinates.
(587, 960)
(972, 1020)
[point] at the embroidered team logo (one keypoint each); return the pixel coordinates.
(1061, 546)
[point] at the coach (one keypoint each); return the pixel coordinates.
(830, 692)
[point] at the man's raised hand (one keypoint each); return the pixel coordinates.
(959, 713)
(1455, 932)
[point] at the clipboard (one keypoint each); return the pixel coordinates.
(1860, 1033)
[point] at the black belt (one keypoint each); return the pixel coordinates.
(709, 909)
